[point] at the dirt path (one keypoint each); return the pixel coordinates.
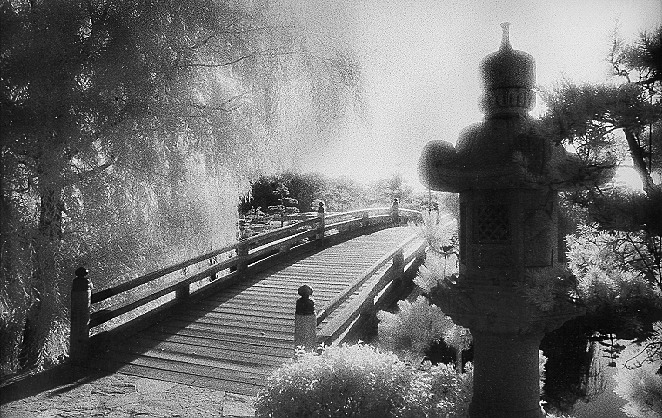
(68, 393)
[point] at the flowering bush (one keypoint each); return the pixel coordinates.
(362, 381)
(415, 327)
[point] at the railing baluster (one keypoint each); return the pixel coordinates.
(183, 292)
(242, 257)
(395, 211)
(398, 265)
(320, 225)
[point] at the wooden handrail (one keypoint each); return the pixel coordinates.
(345, 321)
(241, 255)
(369, 272)
(364, 302)
(131, 284)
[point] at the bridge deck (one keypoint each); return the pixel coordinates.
(234, 339)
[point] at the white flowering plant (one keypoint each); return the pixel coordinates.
(414, 328)
(363, 381)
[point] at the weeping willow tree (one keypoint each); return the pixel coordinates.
(128, 128)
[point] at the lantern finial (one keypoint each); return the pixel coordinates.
(505, 37)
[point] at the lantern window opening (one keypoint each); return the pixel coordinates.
(492, 223)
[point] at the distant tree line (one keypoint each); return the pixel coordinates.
(338, 193)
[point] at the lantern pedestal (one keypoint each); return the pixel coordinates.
(506, 376)
(507, 330)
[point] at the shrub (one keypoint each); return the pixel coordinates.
(418, 325)
(362, 381)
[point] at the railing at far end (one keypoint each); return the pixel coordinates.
(94, 309)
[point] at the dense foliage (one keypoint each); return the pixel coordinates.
(607, 124)
(416, 326)
(128, 129)
(361, 381)
(611, 268)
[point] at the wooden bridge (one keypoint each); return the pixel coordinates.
(225, 319)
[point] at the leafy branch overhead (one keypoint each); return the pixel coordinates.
(605, 124)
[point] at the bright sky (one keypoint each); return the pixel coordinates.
(420, 60)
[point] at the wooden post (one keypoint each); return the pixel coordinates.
(320, 226)
(398, 269)
(283, 248)
(81, 300)
(365, 219)
(242, 256)
(305, 320)
(399, 263)
(395, 211)
(183, 292)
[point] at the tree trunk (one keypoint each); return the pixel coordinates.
(638, 154)
(43, 296)
(458, 360)
(653, 191)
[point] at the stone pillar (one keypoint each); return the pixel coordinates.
(81, 297)
(305, 320)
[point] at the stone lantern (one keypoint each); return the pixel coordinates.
(505, 173)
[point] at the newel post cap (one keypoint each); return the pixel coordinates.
(305, 305)
(81, 282)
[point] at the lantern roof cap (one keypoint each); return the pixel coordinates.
(508, 67)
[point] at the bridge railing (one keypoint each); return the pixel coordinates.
(131, 302)
(378, 287)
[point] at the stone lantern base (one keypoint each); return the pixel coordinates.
(507, 331)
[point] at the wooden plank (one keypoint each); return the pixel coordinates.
(258, 333)
(237, 358)
(246, 347)
(187, 361)
(177, 377)
(285, 312)
(194, 370)
(249, 326)
(231, 318)
(260, 341)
